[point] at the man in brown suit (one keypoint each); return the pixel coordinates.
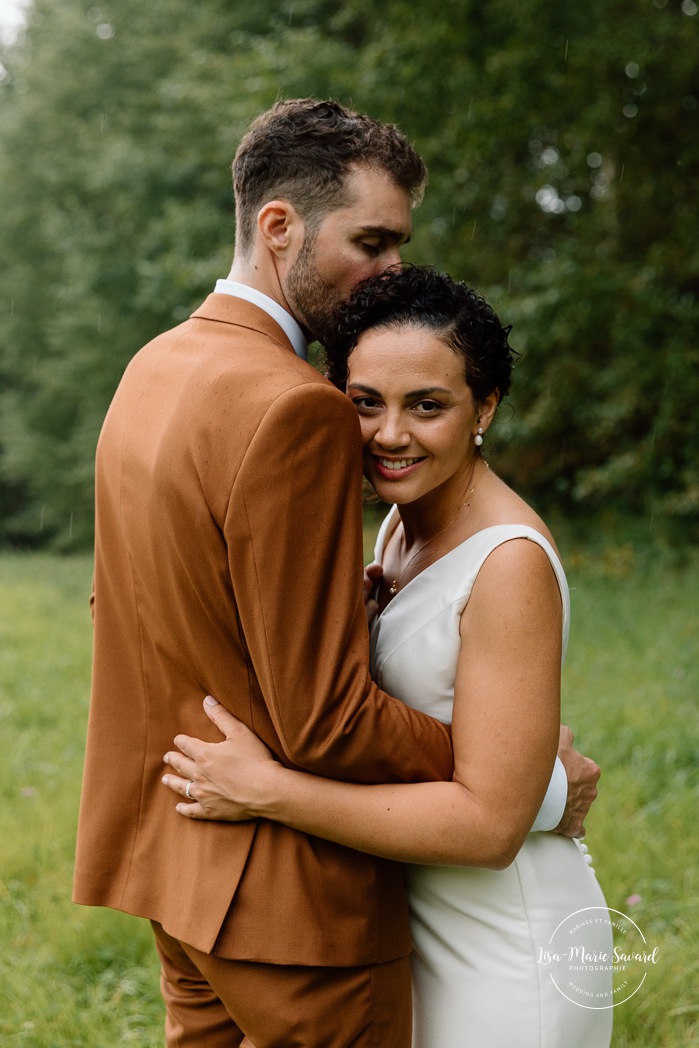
(228, 560)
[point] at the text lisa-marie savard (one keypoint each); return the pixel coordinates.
(589, 957)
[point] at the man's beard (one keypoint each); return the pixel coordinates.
(312, 298)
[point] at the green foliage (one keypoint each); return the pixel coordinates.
(562, 159)
(74, 976)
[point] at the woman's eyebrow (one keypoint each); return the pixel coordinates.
(409, 395)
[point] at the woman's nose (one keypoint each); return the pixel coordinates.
(392, 432)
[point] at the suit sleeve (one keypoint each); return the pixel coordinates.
(294, 533)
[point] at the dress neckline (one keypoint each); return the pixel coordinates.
(393, 512)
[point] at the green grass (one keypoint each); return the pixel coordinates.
(630, 692)
(68, 975)
(71, 976)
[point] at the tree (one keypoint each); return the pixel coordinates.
(547, 131)
(114, 137)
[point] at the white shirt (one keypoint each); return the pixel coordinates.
(554, 803)
(288, 324)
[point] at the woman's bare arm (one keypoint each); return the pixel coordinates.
(505, 733)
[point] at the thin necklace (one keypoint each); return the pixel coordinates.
(393, 588)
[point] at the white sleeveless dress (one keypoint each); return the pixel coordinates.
(477, 977)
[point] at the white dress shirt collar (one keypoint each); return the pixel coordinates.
(287, 323)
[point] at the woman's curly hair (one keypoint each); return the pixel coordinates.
(422, 297)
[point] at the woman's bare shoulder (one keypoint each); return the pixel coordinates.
(507, 507)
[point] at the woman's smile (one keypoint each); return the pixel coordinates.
(395, 469)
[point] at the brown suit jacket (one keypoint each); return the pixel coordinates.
(228, 560)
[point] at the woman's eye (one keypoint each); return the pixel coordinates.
(365, 403)
(427, 407)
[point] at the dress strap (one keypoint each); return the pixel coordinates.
(388, 526)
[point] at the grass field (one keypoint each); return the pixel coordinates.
(71, 976)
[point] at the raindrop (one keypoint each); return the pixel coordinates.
(549, 156)
(632, 70)
(594, 159)
(630, 110)
(598, 192)
(104, 31)
(689, 103)
(573, 203)
(689, 8)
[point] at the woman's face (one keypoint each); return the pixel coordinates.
(417, 413)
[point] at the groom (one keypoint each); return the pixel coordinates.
(228, 560)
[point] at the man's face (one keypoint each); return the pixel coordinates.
(357, 241)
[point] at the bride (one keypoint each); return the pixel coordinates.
(471, 626)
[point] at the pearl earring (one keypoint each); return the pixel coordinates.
(478, 439)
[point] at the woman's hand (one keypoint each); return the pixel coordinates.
(373, 574)
(219, 780)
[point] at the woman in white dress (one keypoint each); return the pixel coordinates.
(471, 628)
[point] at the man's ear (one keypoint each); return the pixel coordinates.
(280, 226)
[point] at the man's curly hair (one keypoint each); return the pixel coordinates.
(420, 296)
(304, 150)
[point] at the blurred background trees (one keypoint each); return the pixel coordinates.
(564, 157)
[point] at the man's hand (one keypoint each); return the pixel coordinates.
(372, 575)
(583, 775)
